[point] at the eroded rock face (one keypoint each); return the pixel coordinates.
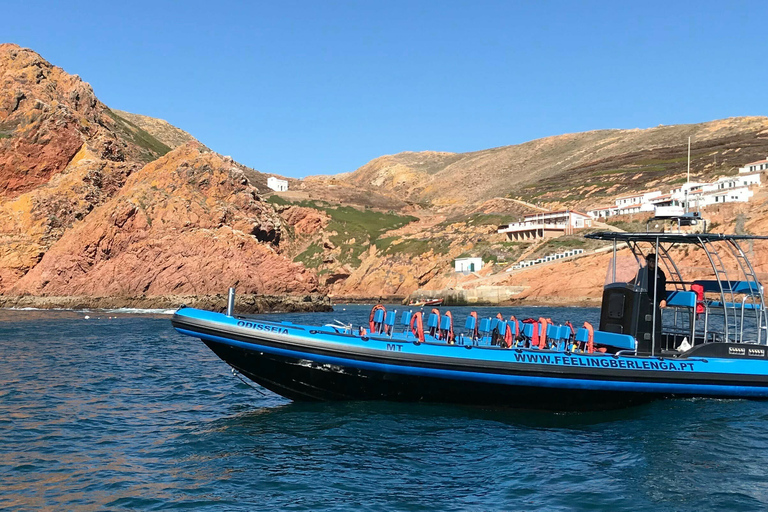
(62, 153)
(305, 221)
(185, 224)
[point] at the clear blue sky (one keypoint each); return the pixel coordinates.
(322, 87)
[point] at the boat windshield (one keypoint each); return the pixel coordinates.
(627, 269)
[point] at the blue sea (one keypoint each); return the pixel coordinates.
(113, 410)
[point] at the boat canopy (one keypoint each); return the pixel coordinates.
(726, 287)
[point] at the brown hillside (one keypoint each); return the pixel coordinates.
(565, 168)
(162, 130)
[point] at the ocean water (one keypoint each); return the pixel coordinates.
(118, 412)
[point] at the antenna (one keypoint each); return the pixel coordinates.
(688, 176)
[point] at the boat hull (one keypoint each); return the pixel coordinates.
(316, 364)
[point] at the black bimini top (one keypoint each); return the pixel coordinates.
(680, 238)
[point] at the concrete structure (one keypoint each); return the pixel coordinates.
(546, 225)
(759, 166)
(546, 259)
(468, 264)
(277, 184)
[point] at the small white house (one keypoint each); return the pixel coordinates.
(468, 264)
(760, 165)
(276, 184)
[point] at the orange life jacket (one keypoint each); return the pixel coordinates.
(418, 328)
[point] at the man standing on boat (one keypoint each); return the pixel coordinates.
(661, 281)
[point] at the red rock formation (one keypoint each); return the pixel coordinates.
(305, 221)
(62, 153)
(187, 223)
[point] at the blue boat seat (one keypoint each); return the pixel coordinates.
(730, 286)
(681, 299)
(470, 323)
(620, 341)
(445, 323)
(406, 318)
(528, 330)
(432, 320)
(378, 316)
(390, 319)
(582, 335)
(485, 325)
(553, 332)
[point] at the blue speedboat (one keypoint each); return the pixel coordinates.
(694, 333)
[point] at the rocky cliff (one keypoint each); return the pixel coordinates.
(187, 223)
(92, 203)
(62, 153)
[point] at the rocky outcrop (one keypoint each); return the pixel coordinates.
(304, 221)
(62, 153)
(188, 223)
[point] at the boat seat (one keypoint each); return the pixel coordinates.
(470, 323)
(390, 318)
(747, 287)
(405, 319)
(432, 320)
(681, 299)
(528, 330)
(445, 323)
(612, 339)
(485, 325)
(378, 316)
(582, 335)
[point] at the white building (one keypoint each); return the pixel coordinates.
(760, 165)
(546, 225)
(468, 264)
(276, 184)
(636, 199)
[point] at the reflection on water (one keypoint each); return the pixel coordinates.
(123, 413)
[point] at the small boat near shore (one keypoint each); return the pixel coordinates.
(426, 302)
(708, 340)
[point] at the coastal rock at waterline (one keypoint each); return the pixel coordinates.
(244, 304)
(187, 223)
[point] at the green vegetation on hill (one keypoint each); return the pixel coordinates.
(139, 136)
(351, 230)
(412, 246)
